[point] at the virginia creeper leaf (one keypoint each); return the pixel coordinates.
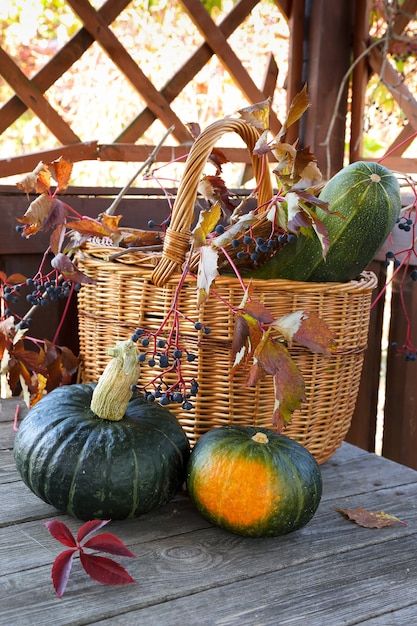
(61, 533)
(90, 527)
(61, 570)
(307, 329)
(207, 221)
(207, 272)
(61, 170)
(257, 114)
(104, 570)
(28, 182)
(107, 542)
(36, 214)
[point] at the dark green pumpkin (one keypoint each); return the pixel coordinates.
(253, 482)
(92, 468)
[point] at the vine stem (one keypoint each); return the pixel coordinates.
(144, 166)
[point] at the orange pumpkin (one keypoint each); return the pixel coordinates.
(253, 482)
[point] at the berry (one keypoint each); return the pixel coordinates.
(198, 325)
(177, 354)
(413, 275)
(163, 361)
(191, 357)
(151, 223)
(145, 341)
(219, 229)
(177, 397)
(187, 406)
(151, 362)
(164, 400)
(235, 243)
(207, 330)
(161, 343)
(247, 239)
(142, 357)
(240, 255)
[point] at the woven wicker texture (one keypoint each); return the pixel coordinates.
(137, 290)
(125, 298)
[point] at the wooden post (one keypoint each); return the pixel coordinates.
(328, 61)
(400, 423)
(360, 76)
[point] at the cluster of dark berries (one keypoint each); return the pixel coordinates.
(405, 223)
(254, 247)
(390, 257)
(158, 352)
(410, 353)
(166, 396)
(45, 291)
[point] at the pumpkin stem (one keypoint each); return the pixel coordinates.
(114, 388)
(260, 437)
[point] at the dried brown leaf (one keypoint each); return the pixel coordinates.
(370, 519)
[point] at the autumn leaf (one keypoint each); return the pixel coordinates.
(296, 110)
(214, 190)
(207, 272)
(242, 225)
(207, 221)
(57, 238)
(246, 336)
(308, 329)
(36, 214)
(102, 569)
(28, 182)
(305, 167)
(272, 357)
(14, 279)
(370, 519)
(89, 227)
(262, 145)
(65, 266)
(257, 114)
(61, 170)
(111, 222)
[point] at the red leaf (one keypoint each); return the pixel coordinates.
(61, 570)
(106, 542)
(90, 527)
(61, 533)
(315, 334)
(104, 570)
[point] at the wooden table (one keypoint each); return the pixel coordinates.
(332, 572)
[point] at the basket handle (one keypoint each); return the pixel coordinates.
(177, 236)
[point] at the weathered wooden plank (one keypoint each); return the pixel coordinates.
(308, 594)
(239, 572)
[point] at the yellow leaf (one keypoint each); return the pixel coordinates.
(257, 115)
(207, 221)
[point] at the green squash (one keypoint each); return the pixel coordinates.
(367, 195)
(95, 468)
(252, 481)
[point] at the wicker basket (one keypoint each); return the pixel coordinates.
(137, 290)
